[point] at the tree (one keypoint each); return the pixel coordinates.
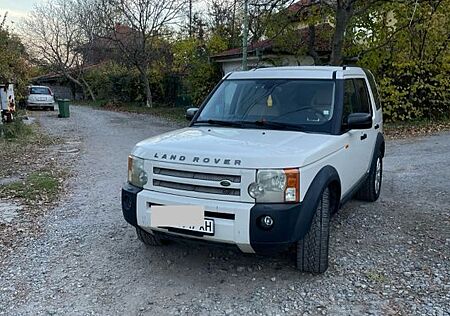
(137, 28)
(13, 59)
(223, 20)
(54, 36)
(407, 47)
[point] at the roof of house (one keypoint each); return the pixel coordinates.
(57, 75)
(299, 5)
(322, 43)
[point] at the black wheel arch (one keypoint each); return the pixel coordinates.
(380, 145)
(326, 177)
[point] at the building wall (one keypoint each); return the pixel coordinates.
(60, 92)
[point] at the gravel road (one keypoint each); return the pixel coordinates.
(388, 257)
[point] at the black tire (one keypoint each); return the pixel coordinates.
(149, 239)
(370, 189)
(312, 250)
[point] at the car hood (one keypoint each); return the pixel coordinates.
(237, 148)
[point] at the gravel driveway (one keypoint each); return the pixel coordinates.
(388, 257)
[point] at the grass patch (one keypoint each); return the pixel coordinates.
(39, 186)
(171, 113)
(17, 152)
(15, 130)
(376, 277)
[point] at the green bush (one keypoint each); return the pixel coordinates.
(15, 129)
(114, 82)
(415, 90)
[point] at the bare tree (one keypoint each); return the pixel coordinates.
(53, 36)
(136, 28)
(344, 11)
(223, 21)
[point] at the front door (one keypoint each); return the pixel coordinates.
(361, 141)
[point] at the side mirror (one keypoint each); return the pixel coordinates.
(359, 121)
(190, 113)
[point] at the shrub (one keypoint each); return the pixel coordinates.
(415, 90)
(15, 129)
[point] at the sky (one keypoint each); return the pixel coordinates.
(17, 9)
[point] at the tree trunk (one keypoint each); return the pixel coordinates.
(312, 44)
(74, 80)
(148, 91)
(88, 88)
(343, 15)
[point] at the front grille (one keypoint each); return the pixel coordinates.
(196, 188)
(196, 175)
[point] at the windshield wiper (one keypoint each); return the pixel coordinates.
(220, 123)
(277, 125)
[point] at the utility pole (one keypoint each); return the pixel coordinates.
(190, 18)
(245, 36)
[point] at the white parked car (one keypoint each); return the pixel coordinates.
(40, 97)
(266, 160)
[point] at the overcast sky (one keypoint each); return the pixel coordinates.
(16, 9)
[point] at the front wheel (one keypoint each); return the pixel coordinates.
(312, 250)
(149, 239)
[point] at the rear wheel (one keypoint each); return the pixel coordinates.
(312, 250)
(370, 190)
(149, 239)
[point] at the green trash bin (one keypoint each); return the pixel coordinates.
(63, 105)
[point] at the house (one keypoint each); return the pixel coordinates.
(269, 52)
(102, 49)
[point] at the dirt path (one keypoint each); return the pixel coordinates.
(387, 257)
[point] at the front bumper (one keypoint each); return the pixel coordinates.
(41, 104)
(235, 223)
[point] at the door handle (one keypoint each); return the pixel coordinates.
(377, 126)
(363, 136)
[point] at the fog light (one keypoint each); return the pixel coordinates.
(266, 222)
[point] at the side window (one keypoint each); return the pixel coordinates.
(350, 99)
(374, 87)
(364, 105)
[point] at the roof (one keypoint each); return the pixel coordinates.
(57, 75)
(322, 43)
(298, 72)
(265, 44)
(299, 5)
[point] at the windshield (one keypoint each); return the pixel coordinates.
(39, 90)
(272, 103)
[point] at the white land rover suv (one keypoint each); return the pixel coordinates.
(267, 159)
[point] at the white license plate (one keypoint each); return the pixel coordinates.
(42, 99)
(207, 228)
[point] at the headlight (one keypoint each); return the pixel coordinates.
(136, 173)
(276, 186)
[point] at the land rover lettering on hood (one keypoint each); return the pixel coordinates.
(264, 163)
